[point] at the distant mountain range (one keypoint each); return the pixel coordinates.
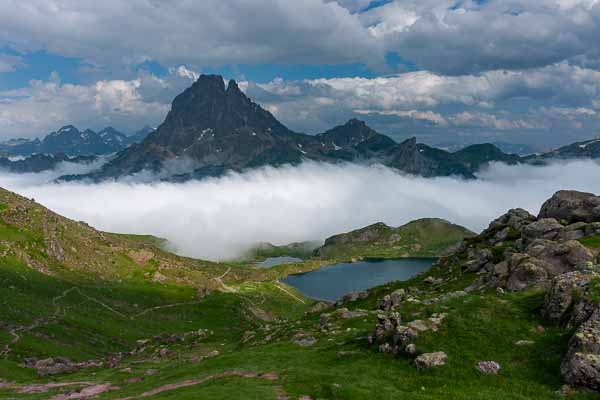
(214, 128)
(70, 141)
(41, 162)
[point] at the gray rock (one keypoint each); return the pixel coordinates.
(410, 349)
(346, 314)
(392, 300)
(430, 360)
(522, 343)
(566, 303)
(572, 206)
(477, 258)
(564, 257)
(545, 228)
(304, 339)
(324, 320)
(488, 367)
(525, 272)
(515, 218)
(581, 366)
(351, 297)
(55, 366)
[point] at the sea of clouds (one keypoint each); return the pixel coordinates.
(221, 218)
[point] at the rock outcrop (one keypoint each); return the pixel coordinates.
(430, 360)
(519, 251)
(571, 303)
(571, 206)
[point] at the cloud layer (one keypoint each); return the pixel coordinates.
(450, 37)
(467, 71)
(219, 218)
(554, 105)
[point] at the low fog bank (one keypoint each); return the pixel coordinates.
(220, 218)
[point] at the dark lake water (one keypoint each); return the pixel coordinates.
(332, 282)
(273, 261)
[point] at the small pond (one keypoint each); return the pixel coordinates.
(273, 261)
(332, 282)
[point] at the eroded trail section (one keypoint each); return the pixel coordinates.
(270, 376)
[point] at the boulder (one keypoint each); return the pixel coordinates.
(55, 366)
(515, 218)
(526, 271)
(523, 343)
(488, 367)
(581, 366)
(304, 339)
(567, 303)
(392, 300)
(574, 231)
(430, 360)
(542, 261)
(564, 256)
(544, 228)
(352, 296)
(385, 328)
(404, 335)
(477, 258)
(346, 314)
(572, 206)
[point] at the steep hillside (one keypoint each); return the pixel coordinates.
(73, 292)
(428, 237)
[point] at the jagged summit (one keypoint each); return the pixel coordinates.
(214, 128)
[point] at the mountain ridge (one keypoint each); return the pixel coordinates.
(216, 128)
(71, 141)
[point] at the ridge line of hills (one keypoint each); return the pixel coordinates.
(72, 142)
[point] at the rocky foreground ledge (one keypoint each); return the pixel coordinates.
(517, 252)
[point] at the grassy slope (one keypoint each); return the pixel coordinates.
(302, 250)
(481, 326)
(78, 324)
(428, 237)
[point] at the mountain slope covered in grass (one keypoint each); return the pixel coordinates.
(100, 322)
(427, 237)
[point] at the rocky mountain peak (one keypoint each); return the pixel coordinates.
(234, 89)
(67, 128)
(351, 133)
(410, 142)
(355, 122)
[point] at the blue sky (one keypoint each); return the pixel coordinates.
(448, 72)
